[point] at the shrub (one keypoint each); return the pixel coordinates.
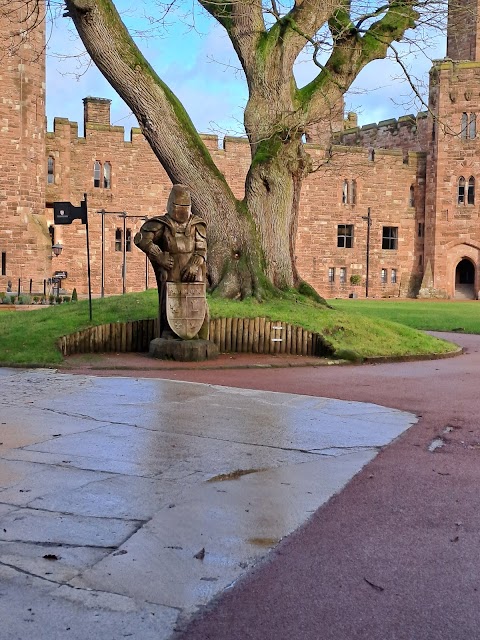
(2, 296)
(51, 299)
(58, 299)
(66, 298)
(74, 296)
(355, 279)
(25, 298)
(35, 299)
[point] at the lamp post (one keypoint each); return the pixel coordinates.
(57, 249)
(369, 224)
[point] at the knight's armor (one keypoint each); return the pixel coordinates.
(182, 241)
(176, 244)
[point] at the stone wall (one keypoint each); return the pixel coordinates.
(383, 185)
(140, 187)
(24, 240)
(408, 133)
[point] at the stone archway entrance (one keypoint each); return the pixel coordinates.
(465, 280)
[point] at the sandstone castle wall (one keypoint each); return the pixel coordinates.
(24, 240)
(139, 187)
(424, 233)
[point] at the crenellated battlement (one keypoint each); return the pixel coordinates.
(405, 133)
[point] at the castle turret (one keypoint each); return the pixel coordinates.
(463, 33)
(24, 241)
(452, 229)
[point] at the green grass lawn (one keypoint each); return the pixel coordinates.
(429, 315)
(30, 337)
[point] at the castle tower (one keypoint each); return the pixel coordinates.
(452, 229)
(463, 33)
(25, 248)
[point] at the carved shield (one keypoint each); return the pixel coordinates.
(186, 308)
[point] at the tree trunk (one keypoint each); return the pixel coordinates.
(273, 197)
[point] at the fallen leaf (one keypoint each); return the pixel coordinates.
(200, 555)
(375, 586)
(50, 556)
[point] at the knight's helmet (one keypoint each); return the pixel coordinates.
(179, 203)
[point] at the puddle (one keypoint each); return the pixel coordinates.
(233, 475)
(264, 542)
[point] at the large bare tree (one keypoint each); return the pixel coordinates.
(252, 241)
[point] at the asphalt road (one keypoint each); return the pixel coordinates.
(396, 555)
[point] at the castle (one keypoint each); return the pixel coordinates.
(397, 198)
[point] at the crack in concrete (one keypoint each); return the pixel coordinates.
(317, 452)
(83, 416)
(355, 447)
(29, 573)
(61, 545)
(73, 466)
(86, 590)
(58, 545)
(69, 513)
(247, 444)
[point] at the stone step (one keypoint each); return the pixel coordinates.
(464, 292)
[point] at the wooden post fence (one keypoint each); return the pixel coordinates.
(240, 335)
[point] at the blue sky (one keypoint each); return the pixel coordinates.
(200, 66)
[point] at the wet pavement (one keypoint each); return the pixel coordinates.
(127, 503)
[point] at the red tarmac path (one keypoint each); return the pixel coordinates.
(396, 555)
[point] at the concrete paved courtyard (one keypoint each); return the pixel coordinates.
(128, 503)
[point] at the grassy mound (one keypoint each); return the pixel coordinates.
(30, 338)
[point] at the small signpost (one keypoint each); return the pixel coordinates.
(66, 213)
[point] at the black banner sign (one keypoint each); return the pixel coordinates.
(60, 275)
(65, 212)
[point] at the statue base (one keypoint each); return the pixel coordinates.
(183, 350)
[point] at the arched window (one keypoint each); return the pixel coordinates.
(411, 197)
(472, 127)
(471, 190)
(97, 172)
(464, 126)
(461, 190)
(107, 175)
(345, 192)
(51, 170)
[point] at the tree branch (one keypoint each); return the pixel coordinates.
(243, 21)
(352, 52)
